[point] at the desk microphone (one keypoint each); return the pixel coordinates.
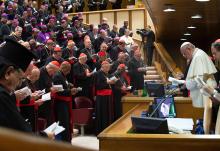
(170, 94)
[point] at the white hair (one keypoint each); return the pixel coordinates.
(187, 44)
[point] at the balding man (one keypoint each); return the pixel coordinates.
(200, 66)
(136, 71)
(117, 49)
(83, 76)
(45, 82)
(27, 105)
(88, 50)
(63, 100)
(104, 103)
(98, 41)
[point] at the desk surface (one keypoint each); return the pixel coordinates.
(115, 137)
(184, 108)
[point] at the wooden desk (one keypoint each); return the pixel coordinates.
(183, 105)
(116, 138)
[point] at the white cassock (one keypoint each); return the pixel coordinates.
(202, 66)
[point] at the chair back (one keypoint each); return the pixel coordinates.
(83, 102)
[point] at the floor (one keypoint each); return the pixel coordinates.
(90, 142)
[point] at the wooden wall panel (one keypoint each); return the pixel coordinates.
(94, 19)
(110, 17)
(121, 17)
(137, 22)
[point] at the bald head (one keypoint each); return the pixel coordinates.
(34, 74)
(65, 67)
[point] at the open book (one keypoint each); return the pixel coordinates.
(54, 128)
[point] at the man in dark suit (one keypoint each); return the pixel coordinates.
(122, 29)
(149, 45)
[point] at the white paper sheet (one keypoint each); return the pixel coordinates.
(58, 87)
(181, 123)
(113, 78)
(175, 81)
(94, 70)
(26, 91)
(54, 128)
(46, 97)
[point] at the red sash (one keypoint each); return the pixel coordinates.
(32, 103)
(104, 92)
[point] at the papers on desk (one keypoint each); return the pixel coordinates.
(54, 128)
(185, 124)
(46, 97)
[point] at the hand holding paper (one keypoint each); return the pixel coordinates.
(46, 97)
(57, 88)
(176, 81)
(113, 78)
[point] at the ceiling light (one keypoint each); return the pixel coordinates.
(202, 0)
(191, 27)
(169, 8)
(183, 39)
(187, 34)
(196, 17)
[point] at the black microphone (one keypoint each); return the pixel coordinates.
(170, 94)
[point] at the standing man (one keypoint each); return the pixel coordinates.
(136, 71)
(63, 101)
(12, 68)
(122, 29)
(104, 103)
(45, 82)
(83, 77)
(149, 45)
(200, 66)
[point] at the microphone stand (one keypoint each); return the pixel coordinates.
(163, 100)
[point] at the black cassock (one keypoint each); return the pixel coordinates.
(118, 94)
(104, 102)
(81, 80)
(137, 78)
(62, 106)
(27, 106)
(45, 82)
(9, 114)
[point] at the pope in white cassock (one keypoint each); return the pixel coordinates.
(201, 66)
